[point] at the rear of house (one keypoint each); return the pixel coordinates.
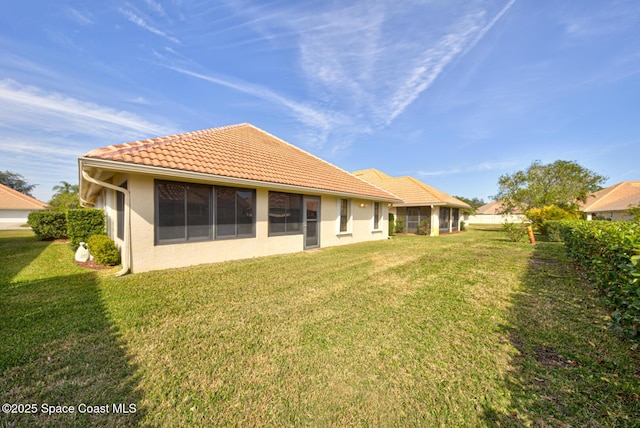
(423, 208)
(225, 193)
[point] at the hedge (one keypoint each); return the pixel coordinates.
(84, 223)
(48, 225)
(608, 254)
(553, 229)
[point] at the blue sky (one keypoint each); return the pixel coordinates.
(454, 93)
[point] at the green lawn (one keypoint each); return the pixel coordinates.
(461, 330)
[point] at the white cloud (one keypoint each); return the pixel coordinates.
(43, 133)
(79, 17)
(363, 62)
(156, 7)
(484, 166)
(140, 22)
(600, 20)
(30, 107)
(321, 120)
(372, 59)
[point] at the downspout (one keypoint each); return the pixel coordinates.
(126, 249)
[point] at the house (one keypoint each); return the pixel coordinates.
(421, 203)
(491, 213)
(613, 202)
(225, 193)
(15, 207)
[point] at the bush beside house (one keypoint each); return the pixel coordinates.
(84, 223)
(103, 250)
(48, 225)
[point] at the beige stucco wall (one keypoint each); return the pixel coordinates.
(147, 256)
(361, 223)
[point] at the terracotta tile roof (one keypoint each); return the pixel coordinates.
(244, 152)
(494, 207)
(614, 198)
(412, 192)
(13, 200)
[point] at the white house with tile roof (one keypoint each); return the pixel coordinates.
(419, 203)
(225, 193)
(492, 213)
(15, 206)
(613, 202)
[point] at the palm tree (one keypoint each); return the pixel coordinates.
(65, 188)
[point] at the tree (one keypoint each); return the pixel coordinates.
(634, 211)
(65, 188)
(562, 184)
(474, 202)
(16, 182)
(66, 197)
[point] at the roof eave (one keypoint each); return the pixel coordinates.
(118, 166)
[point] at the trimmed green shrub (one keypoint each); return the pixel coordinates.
(391, 224)
(83, 223)
(553, 229)
(399, 225)
(608, 255)
(103, 250)
(48, 225)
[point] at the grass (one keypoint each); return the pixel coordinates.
(461, 330)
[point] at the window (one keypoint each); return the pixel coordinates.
(120, 212)
(234, 212)
(413, 219)
(456, 219)
(344, 215)
(444, 219)
(376, 215)
(285, 213)
(183, 211)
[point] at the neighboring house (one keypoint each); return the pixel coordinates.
(225, 193)
(15, 206)
(420, 203)
(491, 213)
(613, 202)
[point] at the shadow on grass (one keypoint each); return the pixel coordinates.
(18, 248)
(59, 348)
(569, 369)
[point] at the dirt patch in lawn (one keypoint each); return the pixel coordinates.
(549, 357)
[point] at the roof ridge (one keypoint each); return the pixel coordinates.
(428, 187)
(609, 191)
(23, 196)
(436, 192)
(378, 187)
(381, 175)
